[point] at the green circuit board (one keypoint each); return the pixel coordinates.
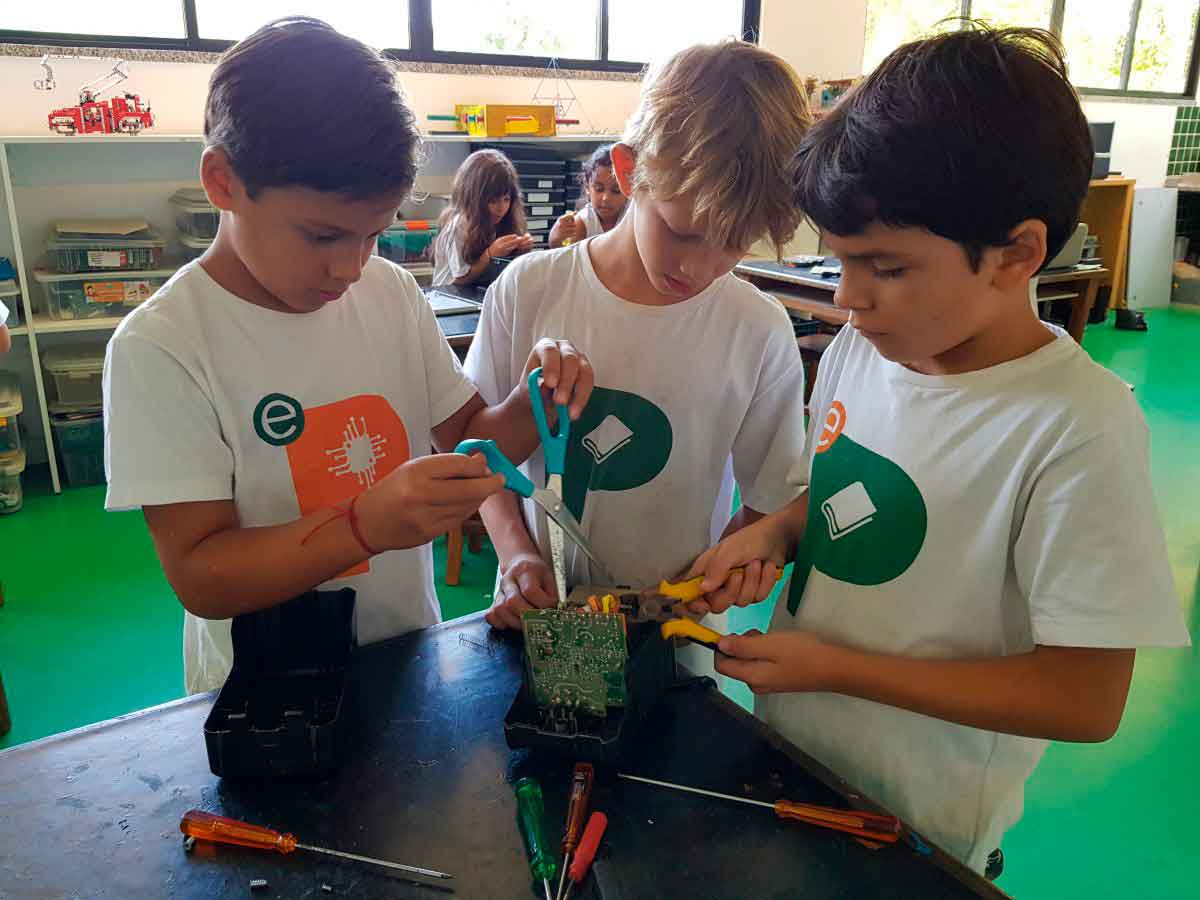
(576, 659)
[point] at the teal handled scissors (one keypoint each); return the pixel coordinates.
(549, 498)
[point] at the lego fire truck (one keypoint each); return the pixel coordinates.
(124, 114)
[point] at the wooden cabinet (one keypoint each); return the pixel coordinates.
(1107, 210)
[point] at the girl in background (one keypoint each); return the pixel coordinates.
(485, 220)
(605, 206)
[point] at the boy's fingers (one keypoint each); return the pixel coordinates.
(464, 493)
(568, 373)
(585, 383)
(766, 583)
(532, 591)
(546, 352)
(751, 582)
(743, 646)
(747, 670)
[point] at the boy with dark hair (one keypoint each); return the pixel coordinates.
(978, 553)
(272, 409)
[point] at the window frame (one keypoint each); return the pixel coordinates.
(1057, 14)
(420, 34)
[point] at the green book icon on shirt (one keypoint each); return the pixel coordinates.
(848, 509)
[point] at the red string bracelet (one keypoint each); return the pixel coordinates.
(351, 517)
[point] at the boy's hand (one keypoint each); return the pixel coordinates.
(423, 498)
(566, 373)
(525, 244)
(759, 548)
(773, 663)
(527, 583)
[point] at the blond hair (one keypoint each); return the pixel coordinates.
(722, 122)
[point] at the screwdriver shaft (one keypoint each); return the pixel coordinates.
(428, 873)
(692, 790)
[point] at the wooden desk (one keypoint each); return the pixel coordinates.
(802, 292)
(1108, 210)
(1078, 287)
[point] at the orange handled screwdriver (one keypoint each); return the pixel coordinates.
(204, 826)
(581, 794)
(872, 826)
(587, 850)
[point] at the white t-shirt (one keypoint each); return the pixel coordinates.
(680, 389)
(959, 517)
(3, 313)
(209, 397)
(591, 219)
(448, 262)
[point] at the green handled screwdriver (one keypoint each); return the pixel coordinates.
(530, 818)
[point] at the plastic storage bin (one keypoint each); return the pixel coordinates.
(10, 410)
(193, 247)
(76, 374)
(94, 296)
(79, 443)
(408, 242)
(70, 253)
(280, 711)
(12, 496)
(194, 215)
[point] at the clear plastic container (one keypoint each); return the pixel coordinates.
(79, 443)
(194, 215)
(10, 410)
(70, 253)
(409, 241)
(76, 374)
(12, 496)
(193, 247)
(93, 296)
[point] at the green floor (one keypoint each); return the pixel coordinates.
(89, 630)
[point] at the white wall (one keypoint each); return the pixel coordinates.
(1141, 139)
(820, 38)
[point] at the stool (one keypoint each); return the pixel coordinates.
(472, 531)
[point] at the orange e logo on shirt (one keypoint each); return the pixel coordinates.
(343, 448)
(835, 421)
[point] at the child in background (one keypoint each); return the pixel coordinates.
(978, 553)
(697, 366)
(485, 219)
(605, 202)
(273, 409)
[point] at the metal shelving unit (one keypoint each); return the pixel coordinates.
(141, 156)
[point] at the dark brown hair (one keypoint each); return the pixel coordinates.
(966, 134)
(297, 103)
(484, 176)
(601, 156)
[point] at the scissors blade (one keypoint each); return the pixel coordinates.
(557, 510)
(558, 554)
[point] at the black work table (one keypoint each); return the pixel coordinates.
(427, 782)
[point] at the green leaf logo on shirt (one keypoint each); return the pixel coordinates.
(621, 441)
(866, 517)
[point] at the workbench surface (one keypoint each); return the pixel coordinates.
(427, 782)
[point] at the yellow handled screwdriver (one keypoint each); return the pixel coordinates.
(204, 826)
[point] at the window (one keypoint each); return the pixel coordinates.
(141, 18)
(377, 24)
(524, 27)
(620, 35)
(1116, 47)
(648, 32)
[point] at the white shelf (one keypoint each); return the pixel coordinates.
(523, 139)
(18, 330)
(101, 139)
(15, 292)
(418, 270)
(43, 324)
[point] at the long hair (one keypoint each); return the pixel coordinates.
(485, 176)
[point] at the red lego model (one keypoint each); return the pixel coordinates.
(123, 114)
